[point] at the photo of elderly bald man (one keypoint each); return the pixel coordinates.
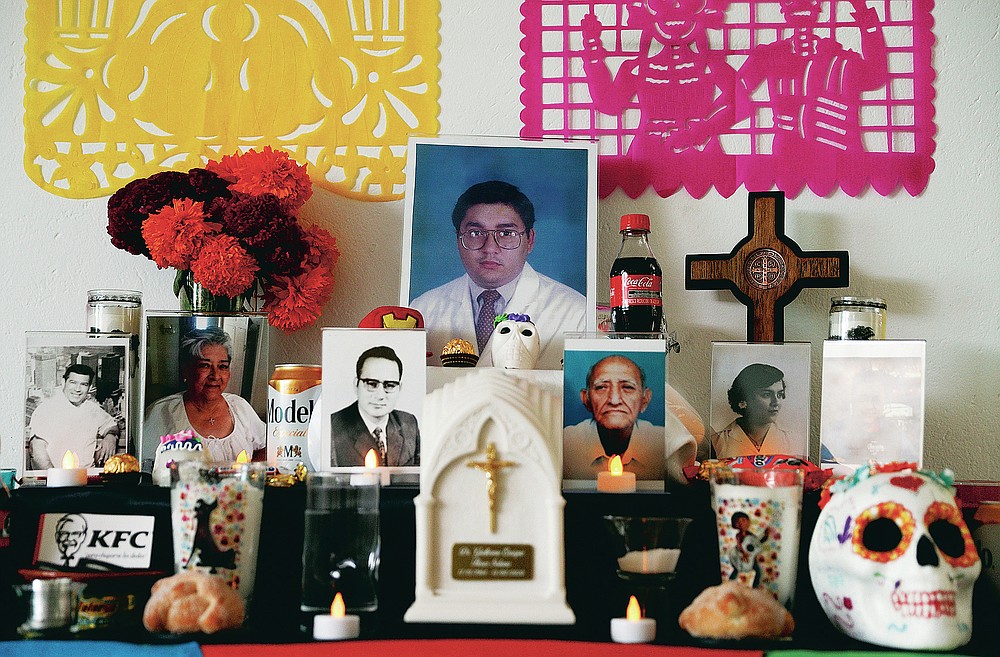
(614, 405)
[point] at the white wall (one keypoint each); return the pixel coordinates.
(933, 257)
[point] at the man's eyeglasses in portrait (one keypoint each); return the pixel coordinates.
(506, 238)
(371, 385)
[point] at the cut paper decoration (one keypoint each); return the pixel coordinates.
(764, 94)
(120, 90)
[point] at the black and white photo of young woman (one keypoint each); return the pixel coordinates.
(760, 399)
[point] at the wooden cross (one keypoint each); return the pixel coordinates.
(766, 270)
(492, 467)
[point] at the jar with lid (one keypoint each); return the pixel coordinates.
(114, 311)
(857, 318)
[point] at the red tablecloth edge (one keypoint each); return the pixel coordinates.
(465, 648)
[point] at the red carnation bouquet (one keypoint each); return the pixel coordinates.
(231, 227)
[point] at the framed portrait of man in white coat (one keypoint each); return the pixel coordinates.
(500, 225)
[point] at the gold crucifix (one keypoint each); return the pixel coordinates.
(492, 467)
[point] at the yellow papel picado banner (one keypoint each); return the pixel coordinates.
(121, 89)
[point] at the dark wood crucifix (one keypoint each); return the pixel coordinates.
(766, 270)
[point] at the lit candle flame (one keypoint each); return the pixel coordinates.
(632, 613)
(371, 459)
(337, 607)
(70, 460)
(615, 466)
(242, 457)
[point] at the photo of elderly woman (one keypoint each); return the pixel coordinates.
(757, 398)
(205, 388)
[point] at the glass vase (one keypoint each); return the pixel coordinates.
(195, 297)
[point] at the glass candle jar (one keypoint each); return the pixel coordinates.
(114, 311)
(857, 318)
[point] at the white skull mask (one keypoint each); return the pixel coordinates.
(892, 562)
(515, 343)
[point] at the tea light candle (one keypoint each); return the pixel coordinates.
(337, 625)
(68, 475)
(633, 628)
(371, 475)
(616, 480)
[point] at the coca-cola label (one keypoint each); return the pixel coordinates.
(636, 290)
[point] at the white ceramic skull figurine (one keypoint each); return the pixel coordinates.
(515, 342)
(892, 561)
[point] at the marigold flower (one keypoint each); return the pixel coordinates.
(224, 267)
(227, 168)
(232, 224)
(129, 207)
(293, 302)
(322, 246)
(266, 172)
(174, 235)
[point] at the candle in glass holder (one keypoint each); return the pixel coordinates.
(337, 625)
(114, 311)
(68, 475)
(652, 561)
(633, 628)
(616, 480)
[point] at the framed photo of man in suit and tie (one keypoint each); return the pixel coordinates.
(500, 225)
(374, 382)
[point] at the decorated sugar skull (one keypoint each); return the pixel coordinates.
(892, 561)
(515, 342)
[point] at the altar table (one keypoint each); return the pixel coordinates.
(423, 648)
(593, 590)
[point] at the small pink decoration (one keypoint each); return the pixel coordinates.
(703, 93)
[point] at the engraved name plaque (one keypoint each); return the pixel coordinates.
(486, 561)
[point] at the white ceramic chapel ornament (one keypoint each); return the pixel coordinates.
(490, 509)
(892, 560)
(516, 344)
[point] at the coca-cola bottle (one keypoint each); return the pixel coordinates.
(636, 297)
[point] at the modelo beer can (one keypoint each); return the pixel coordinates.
(293, 392)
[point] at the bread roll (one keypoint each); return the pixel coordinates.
(191, 601)
(735, 611)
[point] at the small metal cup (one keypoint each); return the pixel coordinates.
(53, 603)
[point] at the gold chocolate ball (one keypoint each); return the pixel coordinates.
(459, 353)
(458, 346)
(121, 463)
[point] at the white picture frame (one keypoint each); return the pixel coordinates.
(51, 358)
(558, 177)
(784, 369)
(581, 446)
(873, 400)
(340, 407)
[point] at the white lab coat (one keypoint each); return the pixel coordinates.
(553, 307)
